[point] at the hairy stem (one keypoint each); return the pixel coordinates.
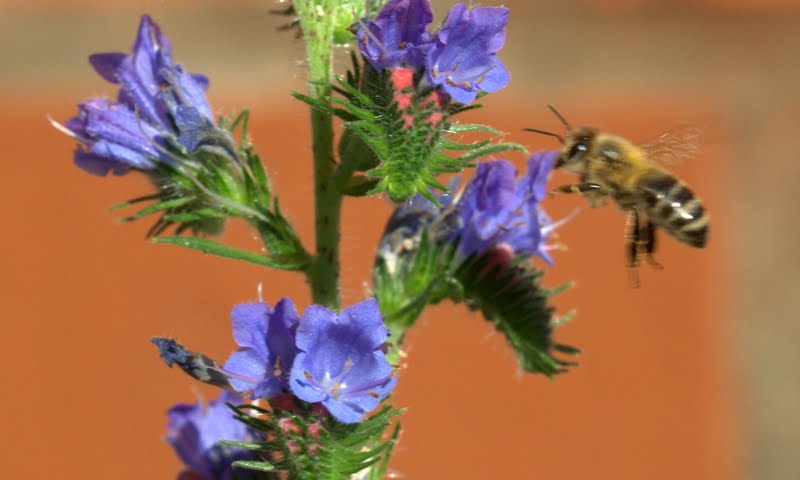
(316, 19)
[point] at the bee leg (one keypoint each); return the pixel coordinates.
(575, 188)
(632, 251)
(649, 242)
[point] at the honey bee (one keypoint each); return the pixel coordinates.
(633, 176)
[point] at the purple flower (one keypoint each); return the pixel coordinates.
(341, 362)
(463, 59)
(497, 208)
(194, 433)
(140, 126)
(398, 36)
(267, 338)
(114, 139)
(150, 83)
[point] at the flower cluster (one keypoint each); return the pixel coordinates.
(498, 209)
(336, 359)
(460, 58)
(158, 104)
(194, 432)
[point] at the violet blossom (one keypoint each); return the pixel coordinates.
(398, 36)
(194, 431)
(267, 340)
(463, 60)
(341, 362)
(497, 208)
(138, 130)
(460, 58)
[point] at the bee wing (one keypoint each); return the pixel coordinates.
(673, 146)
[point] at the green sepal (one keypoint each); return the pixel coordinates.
(509, 295)
(329, 451)
(194, 216)
(472, 127)
(407, 140)
(221, 250)
(483, 150)
(405, 285)
(316, 103)
(133, 201)
(172, 204)
(253, 465)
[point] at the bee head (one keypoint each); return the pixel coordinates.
(575, 147)
(574, 143)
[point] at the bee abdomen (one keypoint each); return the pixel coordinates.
(672, 206)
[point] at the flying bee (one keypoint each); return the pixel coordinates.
(633, 176)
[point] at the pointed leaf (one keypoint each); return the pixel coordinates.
(471, 127)
(214, 248)
(253, 465)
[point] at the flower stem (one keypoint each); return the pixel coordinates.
(316, 20)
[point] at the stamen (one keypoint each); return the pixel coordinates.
(369, 34)
(335, 390)
(235, 376)
(549, 228)
(61, 128)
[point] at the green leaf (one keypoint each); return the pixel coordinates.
(165, 205)
(194, 215)
(359, 185)
(214, 248)
(451, 145)
(132, 201)
(353, 150)
(492, 149)
(471, 127)
(247, 445)
(252, 465)
(312, 101)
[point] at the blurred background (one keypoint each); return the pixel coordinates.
(693, 376)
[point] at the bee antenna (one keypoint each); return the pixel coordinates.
(545, 132)
(560, 117)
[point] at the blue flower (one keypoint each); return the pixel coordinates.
(464, 59)
(267, 338)
(114, 139)
(150, 82)
(398, 36)
(341, 362)
(194, 433)
(140, 126)
(499, 209)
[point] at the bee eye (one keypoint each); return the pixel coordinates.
(577, 151)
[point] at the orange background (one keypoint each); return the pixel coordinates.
(663, 390)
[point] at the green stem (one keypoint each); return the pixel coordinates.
(316, 19)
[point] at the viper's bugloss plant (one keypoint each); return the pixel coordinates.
(305, 393)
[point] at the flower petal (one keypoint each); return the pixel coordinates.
(246, 362)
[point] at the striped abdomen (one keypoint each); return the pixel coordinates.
(670, 205)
